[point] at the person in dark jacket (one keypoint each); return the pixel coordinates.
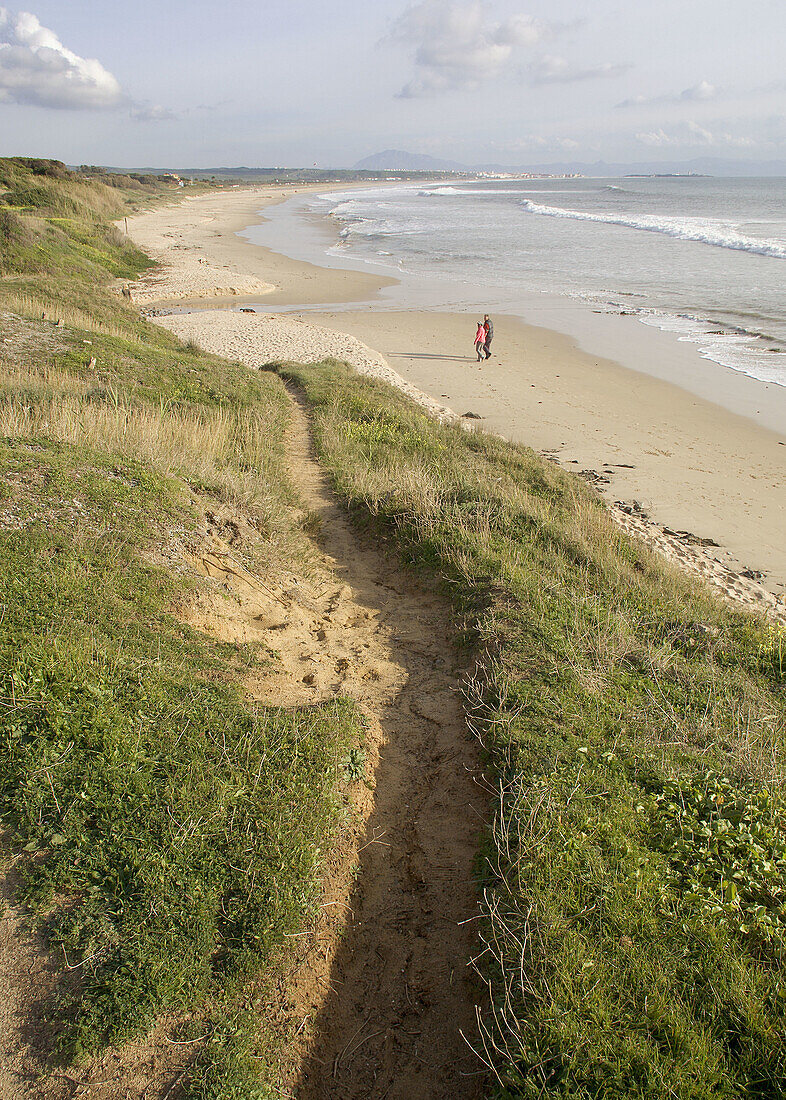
(488, 325)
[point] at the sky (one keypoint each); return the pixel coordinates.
(190, 83)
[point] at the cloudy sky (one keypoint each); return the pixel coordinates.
(260, 82)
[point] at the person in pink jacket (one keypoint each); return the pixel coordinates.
(480, 340)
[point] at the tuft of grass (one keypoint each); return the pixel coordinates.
(635, 880)
(230, 1066)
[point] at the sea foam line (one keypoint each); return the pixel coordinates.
(451, 191)
(685, 229)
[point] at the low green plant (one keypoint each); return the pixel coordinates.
(726, 848)
(353, 766)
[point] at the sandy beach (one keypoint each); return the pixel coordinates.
(688, 472)
(196, 243)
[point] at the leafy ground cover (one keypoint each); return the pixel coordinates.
(168, 830)
(635, 881)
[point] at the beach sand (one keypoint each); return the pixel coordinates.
(690, 464)
(195, 240)
(685, 469)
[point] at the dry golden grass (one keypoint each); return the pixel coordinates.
(35, 306)
(225, 453)
(38, 377)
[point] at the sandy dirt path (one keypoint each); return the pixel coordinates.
(379, 990)
(391, 993)
(27, 977)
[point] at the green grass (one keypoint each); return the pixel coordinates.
(175, 829)
(169, 831)
(636, 873)
(58, 225)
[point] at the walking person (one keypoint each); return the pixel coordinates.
(480, 341)
(488, 328)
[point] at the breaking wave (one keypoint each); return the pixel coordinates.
(449, 190)
(684, 229)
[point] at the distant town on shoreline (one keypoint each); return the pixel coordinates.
(396, 164)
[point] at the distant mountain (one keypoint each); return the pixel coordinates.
(397, 160)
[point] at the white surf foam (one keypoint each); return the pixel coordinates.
(429, 192)
(719, 234)
(739, 351)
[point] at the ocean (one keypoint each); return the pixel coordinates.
(704, 258)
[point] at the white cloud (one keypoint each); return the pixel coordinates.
(37, 69)
(699, 93)
(457, 45)
(691, 134)
(556, 70)
(143, 112)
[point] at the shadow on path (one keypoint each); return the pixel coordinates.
(428, 355)
(400, 994)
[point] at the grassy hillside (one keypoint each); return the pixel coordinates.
(636, 878)
(168, 828)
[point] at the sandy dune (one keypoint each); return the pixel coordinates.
(258, 338)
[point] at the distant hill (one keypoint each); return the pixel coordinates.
(284, 175)
(399, 160)
(416, 165)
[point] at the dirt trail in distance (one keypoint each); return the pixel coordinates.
(385, 990)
